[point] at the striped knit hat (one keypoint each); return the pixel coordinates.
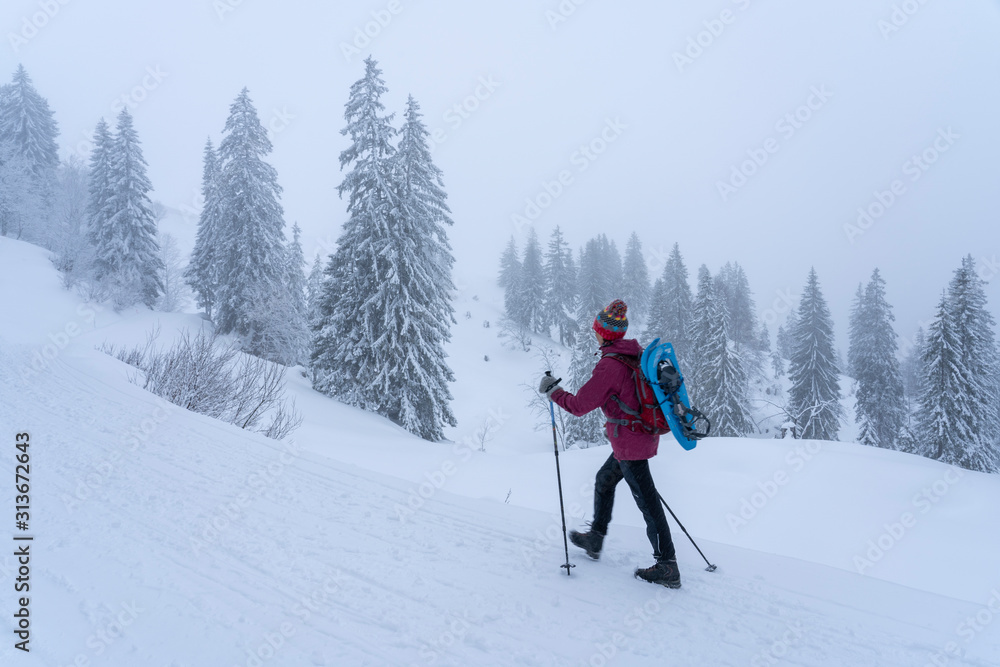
(611, 322)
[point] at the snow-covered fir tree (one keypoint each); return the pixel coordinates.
(203, 270)
(510, 266)
(28, 127)
(976, 330)
(560, 283)
(532, 287)
(18, 206)
(598, 279)
(174, 294)
(777, 361)
(386, 310)
(855, 323)
(912, 368)
(593, 297)
(613, 269)
(635, 281)
(783, 339)
(510, 280)
(284, 326)
(250, 250)
(764, 340)
(972, 366)
(589, 428)
(879, 408)
(733, 288)
(814, 397)
(699, 327)
(672, 306)
(352, 310)
(295, 277)
(314, 290)
(99, 185)
(657, 311)
(945, 402)
(421, 308)
(127, 255)
(73, 252)
(724, 382)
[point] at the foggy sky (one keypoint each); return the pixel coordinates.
(868, 100)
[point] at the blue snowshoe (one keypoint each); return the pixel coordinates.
(661, 370)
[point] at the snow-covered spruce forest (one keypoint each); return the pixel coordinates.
(939, 396)
(370, 320)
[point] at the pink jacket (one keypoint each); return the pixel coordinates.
(612, 377)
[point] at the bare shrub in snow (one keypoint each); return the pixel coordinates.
(203, 374)
(514, 335)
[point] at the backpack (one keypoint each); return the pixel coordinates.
(650, 418)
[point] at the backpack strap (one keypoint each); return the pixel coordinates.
(636, 415)
(626, 409)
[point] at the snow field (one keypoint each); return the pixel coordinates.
(167, 538)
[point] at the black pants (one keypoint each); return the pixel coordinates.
(636, 474)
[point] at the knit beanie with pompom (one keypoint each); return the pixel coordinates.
(611, 322)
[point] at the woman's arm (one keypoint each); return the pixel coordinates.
(592, 395)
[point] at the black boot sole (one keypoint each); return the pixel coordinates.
(595, 555)
(668, 584)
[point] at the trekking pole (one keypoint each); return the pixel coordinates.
(562, 511)
(710, 568)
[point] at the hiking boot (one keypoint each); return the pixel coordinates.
(591, 542)
(665, 573)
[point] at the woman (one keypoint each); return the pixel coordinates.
(611, 384)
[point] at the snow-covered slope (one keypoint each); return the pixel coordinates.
(167, 538)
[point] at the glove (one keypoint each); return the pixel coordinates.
(548, 384)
